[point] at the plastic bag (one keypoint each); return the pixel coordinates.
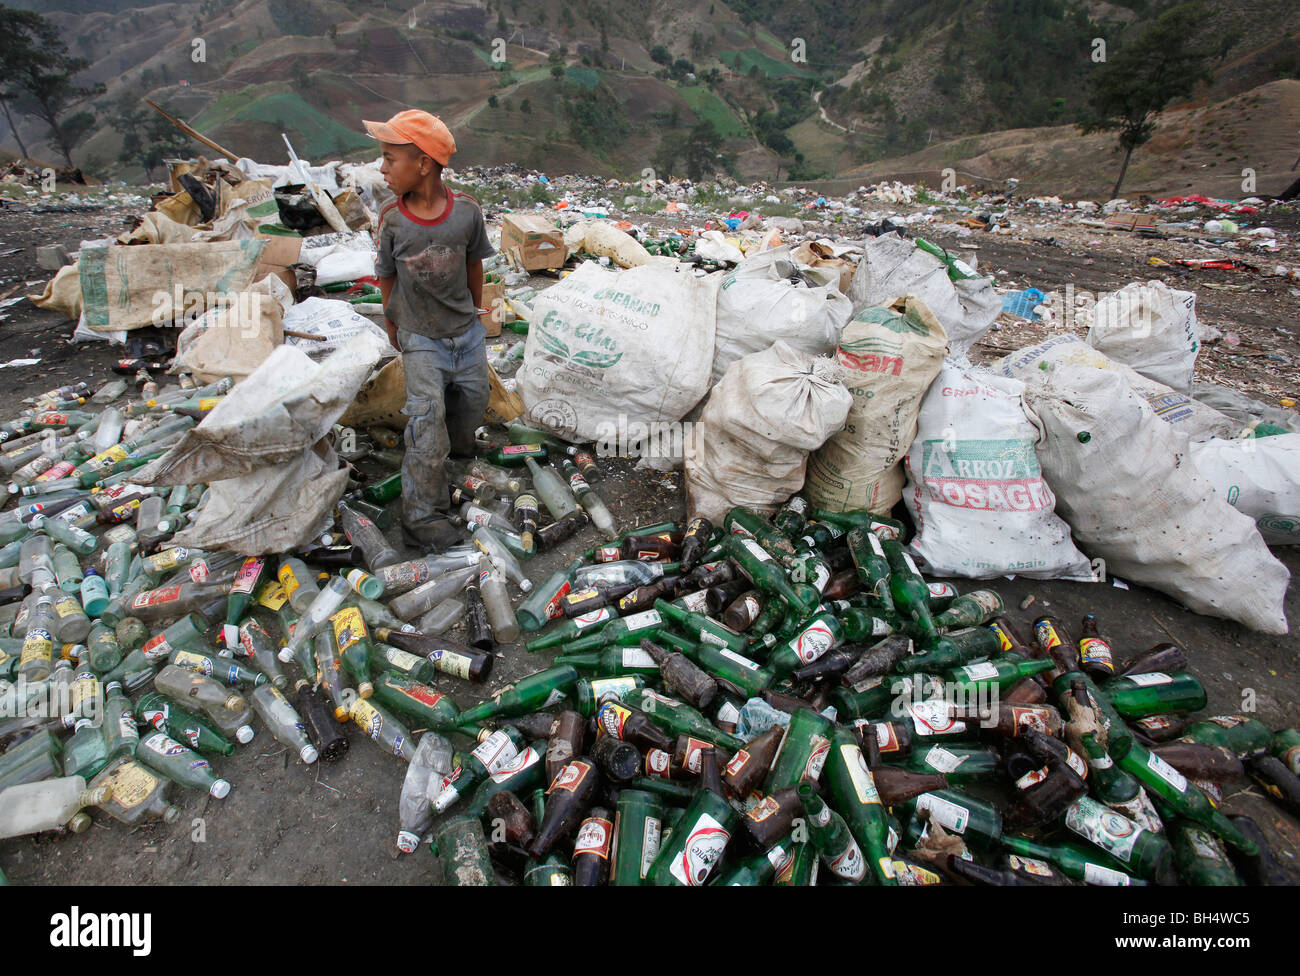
(765, 300)
(1259, 477)
(1152, 328)
(890, 357)
(975, 489)
(751, 444)
(607, 349)
(1127, 485)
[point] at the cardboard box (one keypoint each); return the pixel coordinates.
(494, 294)
(531, 241)
(279, 253)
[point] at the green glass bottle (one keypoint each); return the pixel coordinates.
(699, 841)
(159, 712)
(514, 455)
(626, 631)
(1286, 747)
(612, 662)
(588, 696)
(1199, 857)
(909, 594)
(700, 628)
(802, 753)
(1063, 689)
(840, 853)
(355, 648)
(743, 521)
(542, 605)
(885, 528)
(550, 871)
(165, 755)
(223, 669)
(817, 636)
(86, 753)
(764, 572)
(528, 694)
(952, 650)
(522, 774)
(1140, 695)
(962, 764)
(383, 491)
(853, 795)
(417, 702)
(977, 821)
(800, 871)
(1167, 785)
(677, 717)
(972, 609)
(638, 825)
(1143, 853)
(760, 869)
(1079, 861)
(121, 736)
(870, 562)
(1239, 734)
(1003, 672)
(1116, 788)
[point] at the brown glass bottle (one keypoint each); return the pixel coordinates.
(564, 741)
(772, 818)
(832, 665)
(1009, 720)
(567, 800)
(877, 661)
(746, 769)
(1165, 658)
(695, 541)
(619, 761)
(517, 820)
(1196, 761)
(615, 719)
(897, 785)
(591, 850)
(743, 610)
(1096, 658)
(1053, 642)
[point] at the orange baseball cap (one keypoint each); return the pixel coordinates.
(427, 132)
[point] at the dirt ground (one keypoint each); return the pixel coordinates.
(286, 823)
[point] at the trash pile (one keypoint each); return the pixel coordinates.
(768, 686)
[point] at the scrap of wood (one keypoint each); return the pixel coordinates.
(193, 133)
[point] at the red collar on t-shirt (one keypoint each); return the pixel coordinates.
(401, 206)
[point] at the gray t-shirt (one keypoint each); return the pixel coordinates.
(431, 295)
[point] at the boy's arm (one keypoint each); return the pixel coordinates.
(385, 290)
(474, 275)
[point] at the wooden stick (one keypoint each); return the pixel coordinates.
(193, 133)
(295, 334)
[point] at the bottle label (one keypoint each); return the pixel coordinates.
(356, 578)
(163, 745)
(657, 763)
(421, 693)
(594, 837)
(510, 449)
(1227, 721)
(864, 785)
(651, 837)
(849, 863)
(1046, 635)
(1029, 865)
(640, 621)
(349, 628)
(708, 637)
(153, 598)
(755, 550)
(592, 617)
(634, 657)
(126, 726)
(737, 764)
(744, 662)
(1094, 650)
(821, 748)
(555, 695)
(131, 783)
(1095, 874)
(694, 754)
(1004, 641)
(1167, 772)
(1029, 717)
(1077, 763)
(696, 602)
(271, 595)
(524, 760)
(911, 565)
(37, 646)
(193, 662)
(980, 672)
(943, 760)
(570, 777)
(913, 875)
(496, 749)
(603, 689)
(367, 718)
(403, 660)
(1111, 831)
(68, 606)
(932, 718)
(705, 843)
(646, 555)
(170, 559)
(815, 641)
(1146, 680)
(606, 554)
(611, 718)
(951, 816)
(728, 714)
(1032, 778)
(781, 858)
(886, 736)
(199, 570)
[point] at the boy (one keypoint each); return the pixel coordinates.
(432, 243)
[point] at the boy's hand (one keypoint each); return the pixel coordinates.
(392, 335)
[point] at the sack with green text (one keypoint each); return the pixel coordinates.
(974, 487)
(609, 349)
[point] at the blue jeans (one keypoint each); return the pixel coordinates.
(447, 391)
